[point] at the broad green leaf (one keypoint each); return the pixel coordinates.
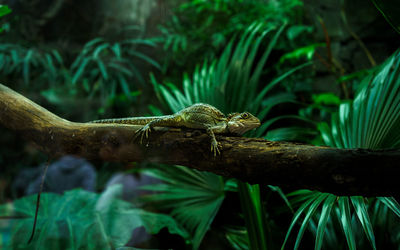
(326, 99)
(307, 52)
(74, 219)
(4, 10)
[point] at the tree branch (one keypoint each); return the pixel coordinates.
(292, 165)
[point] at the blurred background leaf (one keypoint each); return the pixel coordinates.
(74, 219)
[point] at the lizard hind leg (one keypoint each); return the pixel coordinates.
(146, 129)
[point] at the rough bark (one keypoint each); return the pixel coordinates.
(292, 165)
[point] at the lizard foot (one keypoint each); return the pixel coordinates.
(144, 131)
(215, 148)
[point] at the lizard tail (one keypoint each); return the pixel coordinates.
(129, 120)
(113, 120)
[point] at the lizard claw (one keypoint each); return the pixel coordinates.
(144, 131)
(215, 148)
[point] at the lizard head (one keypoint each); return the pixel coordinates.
(239, 123)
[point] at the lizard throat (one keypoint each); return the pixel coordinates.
(240, 127)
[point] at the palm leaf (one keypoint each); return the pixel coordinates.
(372, 121)
(345, 219)
(254, 215)
(310, 212)
(391, 203)
(104, 63)
(362, 214)
(229, 82)
(194, 197)
(298, 213)
(325, 215)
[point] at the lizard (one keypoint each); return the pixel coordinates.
(196, 116)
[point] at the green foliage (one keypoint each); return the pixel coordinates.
(200, 29)
(253, 211)
(80, 219)
(31, 63)
(372, 121)
(107, 71)
(307, 52)
(390, 10)
(107, 68)
(321, 108)
(326, 99)
(4, 10)
(226, 80)
(238, 238)
(194, 197)
(231, 82)
(310, 201)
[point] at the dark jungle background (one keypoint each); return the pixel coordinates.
(317, 72)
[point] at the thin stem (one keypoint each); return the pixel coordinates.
(38, 199)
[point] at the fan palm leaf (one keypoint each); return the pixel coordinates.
(371, 121)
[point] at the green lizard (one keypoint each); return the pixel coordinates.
(197, 116)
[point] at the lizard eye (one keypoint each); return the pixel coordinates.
(245, 115)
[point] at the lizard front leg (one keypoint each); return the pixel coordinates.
(214, 144)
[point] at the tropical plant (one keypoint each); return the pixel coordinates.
(74, 219)
(43, 65)
(232, 82)
(195, 206)
(201, 29)
(4, 10)
(371, 121)
(106, 68)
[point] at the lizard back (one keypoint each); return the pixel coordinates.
(200, 114)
